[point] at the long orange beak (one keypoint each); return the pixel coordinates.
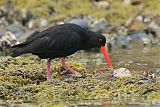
(104, 51)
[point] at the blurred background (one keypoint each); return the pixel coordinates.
(132, 27)
(132, 30)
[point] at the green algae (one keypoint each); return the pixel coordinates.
(24, 79)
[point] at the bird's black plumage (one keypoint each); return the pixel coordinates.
(59, 41)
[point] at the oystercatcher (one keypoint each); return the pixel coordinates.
(61, 41)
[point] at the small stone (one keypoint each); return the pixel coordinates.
(121, 72)
(102, 4)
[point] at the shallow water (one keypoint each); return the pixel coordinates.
(136, 57)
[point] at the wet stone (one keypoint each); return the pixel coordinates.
(121, 72)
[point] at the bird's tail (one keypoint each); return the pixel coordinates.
(20, 49)
(17, 50)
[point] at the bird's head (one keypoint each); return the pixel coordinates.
(101, 41)
(93, 40)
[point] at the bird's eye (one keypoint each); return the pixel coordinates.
(100, 40)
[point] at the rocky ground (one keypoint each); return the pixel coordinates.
(23, 80)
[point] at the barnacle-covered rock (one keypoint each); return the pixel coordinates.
(23, 79)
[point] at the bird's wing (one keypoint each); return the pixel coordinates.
(64, 41)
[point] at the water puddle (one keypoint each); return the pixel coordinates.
(132, 58)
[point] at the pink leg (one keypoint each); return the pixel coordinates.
(65, 66)
(48, 70)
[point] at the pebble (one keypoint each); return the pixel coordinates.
(121, 72)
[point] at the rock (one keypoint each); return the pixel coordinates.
(137, 2)
(126, 1)
(8, 5)
(118, 41)
(156, 102)
(140, 17)
(136, 25)
(7, 40)
(16, 28)
(121, 72)
(51, 11)
(3, 22)
(157, 70)
(155, 24)
(122, 42)
(32, 24)
(138, 35)
(43, 22)
(148, 37)
(3, 11)
(155, 74)
(99, 25)
(81, 22)
(154, 37)
(102, 4)
(25, 16)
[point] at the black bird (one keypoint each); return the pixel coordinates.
(61, 41)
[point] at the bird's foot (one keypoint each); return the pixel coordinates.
(65, 66)
(76, 73)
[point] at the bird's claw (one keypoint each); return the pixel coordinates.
(77, 74)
